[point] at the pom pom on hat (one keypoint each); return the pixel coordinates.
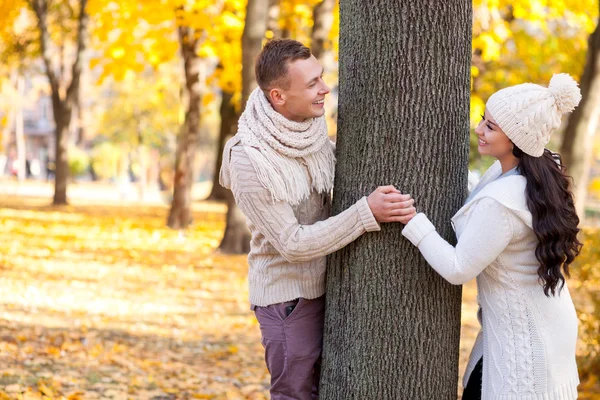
(565, 91)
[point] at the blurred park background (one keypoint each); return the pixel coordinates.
(122, 273)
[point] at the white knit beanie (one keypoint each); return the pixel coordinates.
(529, 113)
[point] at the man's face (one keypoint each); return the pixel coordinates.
(304, 98)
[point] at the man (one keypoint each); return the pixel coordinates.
(280, 167)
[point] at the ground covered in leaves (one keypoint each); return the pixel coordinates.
(104, 302)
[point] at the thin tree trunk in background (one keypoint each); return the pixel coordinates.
(273, 18)
(81, 136)
(229, 120)
(62, 107)
(254, 33)
(143, 178)
(61, 157)
(20, 130)
(237, 236)
(180, 214)
(578, 140)
(236, 239)
(74, 127)
(6, 139)
(322, 23)
(229, 117)
(143, 159)
(392, 324)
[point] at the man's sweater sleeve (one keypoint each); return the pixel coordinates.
(277, 222)
(486, 235)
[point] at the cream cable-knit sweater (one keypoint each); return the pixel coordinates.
(289, 243)
(527, 340)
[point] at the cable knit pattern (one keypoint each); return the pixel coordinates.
(289, 243)
(527, 340)
(529, 113)
(282, 151)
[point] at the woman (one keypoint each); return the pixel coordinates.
(517, 233)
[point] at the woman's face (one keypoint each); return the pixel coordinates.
(492, 140)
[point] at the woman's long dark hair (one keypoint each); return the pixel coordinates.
(555, 220)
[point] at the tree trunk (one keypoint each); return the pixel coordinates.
(254, 33)
(6, 138)
(237, 236)
(273, 18)
(392, 324)
(74, 127)
(180, 215)
(236, 239)
(81, 128)
(62, 107)
(578, 140)
(61, 158)
(229, 120)
(323, 21)
(143, 178)
(20, 130)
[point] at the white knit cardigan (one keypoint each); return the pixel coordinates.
(527, 340)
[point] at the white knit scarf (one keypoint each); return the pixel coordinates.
(282, 150)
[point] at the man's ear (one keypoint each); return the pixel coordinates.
(276, 96)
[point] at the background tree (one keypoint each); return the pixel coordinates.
(237, 237)
(18, 50)
(228, 127)
(145, 33)
(323, 18)
(140, 125)
(506, 50)
(226, 40)
(180, 215)
(578, 140)
(295, 20)
(62, 25)
(392, 324)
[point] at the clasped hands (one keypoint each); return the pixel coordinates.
(388, 204)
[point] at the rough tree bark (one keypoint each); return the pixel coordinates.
(392, 324)
(62, 104)
(180, 214)
(322, 23)
(236, 239)
(577, 146)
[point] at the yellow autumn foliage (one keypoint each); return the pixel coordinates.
(527, 41)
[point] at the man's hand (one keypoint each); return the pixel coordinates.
(389, 205)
